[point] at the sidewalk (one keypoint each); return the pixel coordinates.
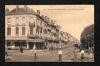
(46, 56)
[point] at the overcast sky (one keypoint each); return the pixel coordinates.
(72, 18)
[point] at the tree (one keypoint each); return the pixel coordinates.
(87, 37)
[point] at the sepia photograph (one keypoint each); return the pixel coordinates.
(49, 33)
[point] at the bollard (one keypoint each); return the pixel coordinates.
(60, 55)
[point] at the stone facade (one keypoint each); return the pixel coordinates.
(26, 28)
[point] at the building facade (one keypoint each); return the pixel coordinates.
(26, 28)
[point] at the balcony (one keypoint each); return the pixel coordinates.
(32, 35)
(36, 40)
(41, 36)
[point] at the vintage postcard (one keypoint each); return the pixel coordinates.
(49, 33)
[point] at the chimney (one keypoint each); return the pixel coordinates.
(25, 7)
(6, 10)
(52, 20)
(17, 6)
(38, 12)
(46, 18)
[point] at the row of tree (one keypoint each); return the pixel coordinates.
(87, 37)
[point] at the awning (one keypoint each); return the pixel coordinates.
(35, 40)
(16, 38)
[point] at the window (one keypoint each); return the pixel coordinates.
(23, 18)
(9, 20)
(17, 19)
(17, 30)
(32, 24)
(23, 30)
(8, 44)
(31, 30)
(8, 31)
(37, 29)
(41, 30)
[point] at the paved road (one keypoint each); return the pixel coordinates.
(43, 55)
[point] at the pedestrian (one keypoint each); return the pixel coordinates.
(82, 54)
(21, 50)
(35, 55)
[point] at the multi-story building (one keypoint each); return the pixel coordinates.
(26, 28)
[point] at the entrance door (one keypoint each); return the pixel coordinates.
(31, 45)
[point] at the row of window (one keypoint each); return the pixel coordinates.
(38, 30)
(17, 30)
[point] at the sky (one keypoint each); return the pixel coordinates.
(72, 18)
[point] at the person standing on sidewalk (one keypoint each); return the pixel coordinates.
(21, 50)
(82, 55)
(35, 55)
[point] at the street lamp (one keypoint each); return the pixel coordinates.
(34, 48)
(60, 54)
(60, 51)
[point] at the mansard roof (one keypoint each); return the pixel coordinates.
(26, 10)
(18, 11)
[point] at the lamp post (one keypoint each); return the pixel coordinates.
(60, 54)
(60, 51)
(35, 55)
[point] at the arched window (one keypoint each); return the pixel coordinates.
(23, 30)
(8, 31)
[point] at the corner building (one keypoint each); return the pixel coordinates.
(26, 28)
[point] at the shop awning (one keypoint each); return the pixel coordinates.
(35, 40)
